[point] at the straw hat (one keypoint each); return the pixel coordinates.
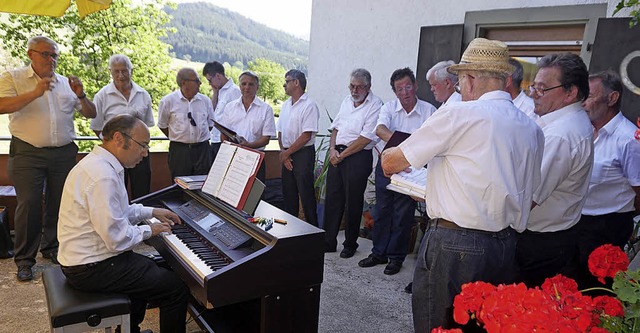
(484, 55)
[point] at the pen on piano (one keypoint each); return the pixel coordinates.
(281, 221)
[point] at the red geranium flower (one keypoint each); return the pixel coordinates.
(442, 330)
(606, 261)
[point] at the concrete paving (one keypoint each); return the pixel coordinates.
(353, 299)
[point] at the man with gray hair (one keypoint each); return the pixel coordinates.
(614, 187)
(443, 83)
(478, 196)
(353, 135)
(185, 116)
(250, 117)
(41, 105)
(520, 98)
(297, 128)
(123, 96)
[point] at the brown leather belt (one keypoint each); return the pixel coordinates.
(440, 222)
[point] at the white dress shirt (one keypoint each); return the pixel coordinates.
(525, 104)
(252, 124)
(353, 122)
(110, 102)
(616, 168)
(48, 120)
(484, 162)
(173, 114)
(227, 93)
(566, 168)
(296, 119)
(455, 97)
(96, 221)
(395, 118)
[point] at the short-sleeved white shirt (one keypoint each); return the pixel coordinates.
(227, 93)
(296, 119)
(173, 114)
(48, 120)
(484, 162)
(616, 168)
(395, 118)
(251, 124)
(110, 102)
(353, 122)
(566, 169)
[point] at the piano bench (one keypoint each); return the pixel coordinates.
(71, 310)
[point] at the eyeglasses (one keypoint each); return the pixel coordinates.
(540, 91)
(46, 55)
(136, 141)
(405, 89)
(353, 87)
(456, 86)
(191, 120)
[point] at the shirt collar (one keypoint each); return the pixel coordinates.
(496, 95)
(110, 158)
(557, 114)
(31, 73)
(111, 88)
(399, 107)
(611, 126)
(227, 85)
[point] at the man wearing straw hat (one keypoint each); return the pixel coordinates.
(484, 160)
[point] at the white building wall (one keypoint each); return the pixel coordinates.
(382, 36)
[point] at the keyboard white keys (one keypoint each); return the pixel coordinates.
(188, 256)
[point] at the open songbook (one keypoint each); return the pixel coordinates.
(412, 183)
(233, 173)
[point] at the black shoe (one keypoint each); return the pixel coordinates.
(371, 261)
(393, 267)
(347, 253)
(53, 256)
(409, 288)
(24, 273)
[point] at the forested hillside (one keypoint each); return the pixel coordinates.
(205, 32)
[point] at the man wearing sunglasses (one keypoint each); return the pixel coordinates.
(185, 116)
(40, 104)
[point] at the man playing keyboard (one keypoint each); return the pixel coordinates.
(98, 228)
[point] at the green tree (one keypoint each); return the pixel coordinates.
(633, 6)
(86, 45)
(271, 76)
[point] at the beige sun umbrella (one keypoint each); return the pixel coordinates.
(54, 8)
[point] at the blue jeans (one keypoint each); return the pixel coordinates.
(449, 258)
(393, 220)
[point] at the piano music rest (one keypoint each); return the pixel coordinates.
(71, 310)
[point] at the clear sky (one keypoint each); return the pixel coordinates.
(291, 16)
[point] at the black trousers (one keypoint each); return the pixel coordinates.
(299, 182)
(345, 194)
(143, 281)
(215, 147)
(139, 178)
(188, 159)
(593, 231)
(32, 171)
(542, 255)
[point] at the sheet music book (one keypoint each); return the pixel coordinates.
(191, 182)
(412, 183)
(230, 134)
(232, 174)
(396, 138)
